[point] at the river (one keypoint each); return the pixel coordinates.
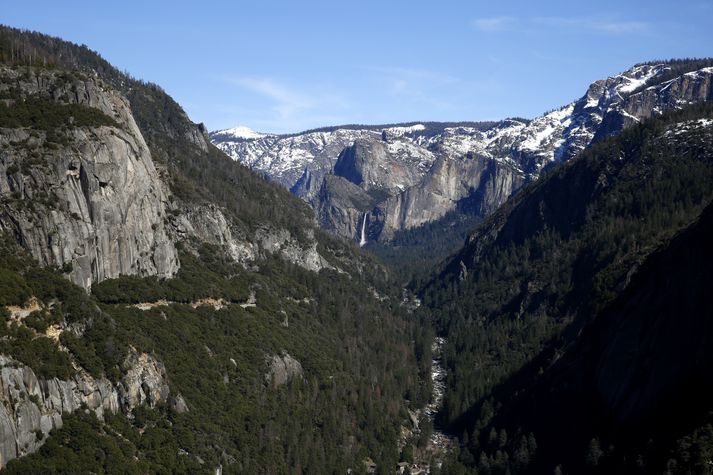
(440, 442)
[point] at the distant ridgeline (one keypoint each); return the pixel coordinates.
(419, 186)
(217, 331)
(577, 315)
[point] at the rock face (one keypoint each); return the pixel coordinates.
(282, 243)
(209, 224)
(89, 198)
(32, 407)
(94, 200)
(282, 369)
(401, 177)
(285, 158)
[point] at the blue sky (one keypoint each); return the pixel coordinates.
(286, 66)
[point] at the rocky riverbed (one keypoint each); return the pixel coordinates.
(439, 441)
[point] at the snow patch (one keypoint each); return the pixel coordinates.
(683, 127)
(638, 77)
(398, 131)
(242, 132)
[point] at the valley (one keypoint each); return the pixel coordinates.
(496, 297)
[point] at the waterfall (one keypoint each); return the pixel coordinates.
(363, 232)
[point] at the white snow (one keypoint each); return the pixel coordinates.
(683, 127)
(700, 71)
(626, 114)
(642, 75)
(405, 130)
(542, 129)
(592, 102)
(242, 132)
(557, 135)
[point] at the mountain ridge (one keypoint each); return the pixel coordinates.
(519, 149)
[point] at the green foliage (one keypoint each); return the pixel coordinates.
(211, 274)
(693, 453)
(352, 347)
(86, 445)
(357, 350)
(13, 288)
(550, 260)
(414, 253)
(40, 320)
(42, 113)
(38, 352)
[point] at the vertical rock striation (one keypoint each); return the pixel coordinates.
(90, 201)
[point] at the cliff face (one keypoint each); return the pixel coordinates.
(417, 173)
(90, 199)
(476, 183)
(84, 193)
(32, 407)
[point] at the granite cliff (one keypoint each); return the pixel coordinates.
(88, 198)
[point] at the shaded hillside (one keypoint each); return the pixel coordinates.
(549, 261)
(635, 380)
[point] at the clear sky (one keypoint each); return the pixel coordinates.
(286, 66)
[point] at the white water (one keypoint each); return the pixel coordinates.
(438, 378)
(363, 241)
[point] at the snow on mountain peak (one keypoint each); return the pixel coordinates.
(608, 105)
(398, 131)
(242, 132)
(639, 76)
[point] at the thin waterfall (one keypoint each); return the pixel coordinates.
(363, 232)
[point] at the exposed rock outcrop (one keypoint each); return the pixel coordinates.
(282, 243)
(32, 407)
(88, 198)
(478, 183)
(92, 200)
(282, 369)
(373, 164)
(209, 224)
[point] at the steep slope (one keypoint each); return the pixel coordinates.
(635, 379)
(130, 182)
(514, 301)
(288, 348)
(480, 164)
(80, 187)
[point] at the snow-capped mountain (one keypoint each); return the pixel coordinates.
(399, 177)
(284, 159)
(241, 132)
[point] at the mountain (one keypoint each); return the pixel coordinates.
(576, 314)
(396, 178)
(157, 316)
